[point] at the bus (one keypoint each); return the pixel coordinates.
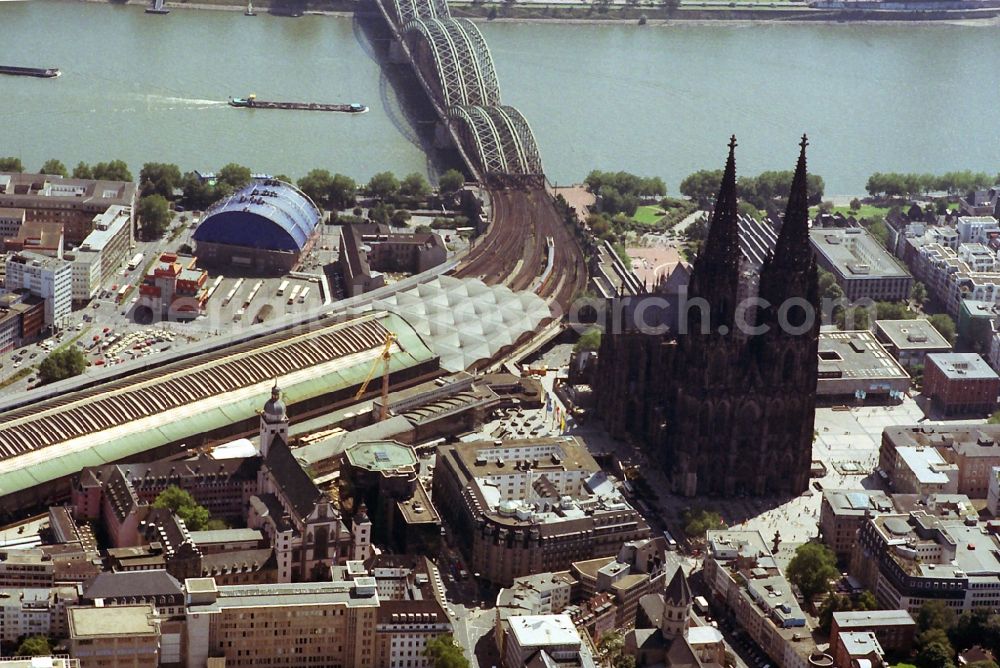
(121, 294)
(135, 262)
(295, 294)
(215, 286)
(671, 543)
(303, 295)
(282, 288)
(232, 292)
(253, 293)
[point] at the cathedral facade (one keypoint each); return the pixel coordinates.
(725, 402)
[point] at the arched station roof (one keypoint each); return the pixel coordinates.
(272, 215)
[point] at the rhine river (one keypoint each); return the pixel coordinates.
(652, 100)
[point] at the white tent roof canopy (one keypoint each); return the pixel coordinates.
(464, 320)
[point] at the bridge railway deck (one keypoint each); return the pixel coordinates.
(522, 220)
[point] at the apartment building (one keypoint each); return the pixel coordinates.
(58, 661)
(977, 229)
(531, 506)
(72, 202)
(102, 252)
(22, 319)
(125, 636)
(972, 449)
(554, 636)
(31, 611)
(538, 594)
(45, 277)
(909, 559)
(742, 575)
(293, 625)
(951, 274)
(11, 221)
(961, 384)
(841, 513)
(894, 629)
(411, 608)
(26, 568)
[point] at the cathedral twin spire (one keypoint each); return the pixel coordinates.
(716, 274)
(793, 249)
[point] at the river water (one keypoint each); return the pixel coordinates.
(652, 100)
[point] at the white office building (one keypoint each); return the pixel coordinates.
(45, 277)
(102, 253)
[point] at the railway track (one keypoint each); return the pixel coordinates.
(513, 251)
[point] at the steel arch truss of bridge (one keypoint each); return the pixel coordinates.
(501, 137)
(404, 11)
(456, 53)
(455, 66)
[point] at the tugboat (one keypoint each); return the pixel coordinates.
(247, 101)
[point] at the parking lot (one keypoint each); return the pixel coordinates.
(223, 313)
(242, 302)
(108, 348)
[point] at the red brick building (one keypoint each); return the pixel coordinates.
(22, 319)
(961, 383)
(893, 628)
(173, 288)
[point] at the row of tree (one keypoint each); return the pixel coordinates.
(328, 190)
(897, 184)
(761, 191)
(116, 170)
(861, 318)
(941, 632)
(162, 183)
(621, 192)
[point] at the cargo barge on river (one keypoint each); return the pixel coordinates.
(251, 102)
(42, 72)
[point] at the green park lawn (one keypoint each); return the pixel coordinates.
(649, 215)
(866, 211)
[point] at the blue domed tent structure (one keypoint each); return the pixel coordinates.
(267, 226)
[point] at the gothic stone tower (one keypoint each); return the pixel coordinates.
(273, 421)
(677, 603)
(740, 404)
(786, 354)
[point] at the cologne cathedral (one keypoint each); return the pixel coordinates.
(726, 404)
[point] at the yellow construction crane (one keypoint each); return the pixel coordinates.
(384, 357)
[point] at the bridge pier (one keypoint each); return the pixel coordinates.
(397, 55)
(442, 136)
